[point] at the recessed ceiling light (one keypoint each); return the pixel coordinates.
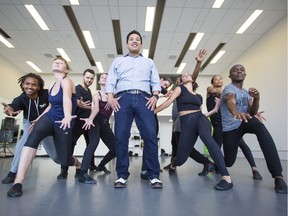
(217, 56)
(249, 21)
(181, 68)
(63, 54)
(31, 64)
(6, 42)
(150, 11)
(34, 13)
(217, 3)
(196, 41)
(74, 2)
(99, 67)
(89, 39)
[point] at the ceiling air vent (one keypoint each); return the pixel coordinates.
(172, 57)
(48, 55)
(110, 56)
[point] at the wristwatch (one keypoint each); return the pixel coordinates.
(156, 96)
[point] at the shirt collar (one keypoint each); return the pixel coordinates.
(129, 54)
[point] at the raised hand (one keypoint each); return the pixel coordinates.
(201, 55)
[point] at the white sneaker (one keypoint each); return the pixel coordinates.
(120, 183)
(155, 183)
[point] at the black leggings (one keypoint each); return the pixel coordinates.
(194, 125)
(101, 130)
(266, 142)
(195, 155)
(217, 136)
(62, 139)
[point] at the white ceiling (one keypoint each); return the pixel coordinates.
(180, 18)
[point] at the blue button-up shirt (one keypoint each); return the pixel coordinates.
(129, 72)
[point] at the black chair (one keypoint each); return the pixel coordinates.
(6, 136)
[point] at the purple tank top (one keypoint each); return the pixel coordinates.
(102, 110)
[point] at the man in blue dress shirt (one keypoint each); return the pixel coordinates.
(133, 87)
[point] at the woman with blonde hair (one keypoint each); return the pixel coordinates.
(56, 121)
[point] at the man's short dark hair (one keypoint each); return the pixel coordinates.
(133, 32)
(89, 71)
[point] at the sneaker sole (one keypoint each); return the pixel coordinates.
(88, 182)
(120, 185)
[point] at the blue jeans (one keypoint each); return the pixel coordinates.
(133, 106)
(48, 145)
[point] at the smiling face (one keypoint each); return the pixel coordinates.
(134, 44)
(31, 87)
(217, 81)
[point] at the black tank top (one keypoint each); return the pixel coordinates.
(210, 104)
(188, 101)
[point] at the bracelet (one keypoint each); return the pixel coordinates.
(156, 96)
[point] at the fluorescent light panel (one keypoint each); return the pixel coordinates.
(31, 64)
(249, 21)
(181, 68)
(145, 53)
(150, 12)
(6, 42)
(63, 54)
(99, 67)
(196, 41)
(37, 17)
(74, 2)
(217, 3)
(217, 57)
(89, 39)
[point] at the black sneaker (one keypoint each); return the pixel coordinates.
(86, 179)
(63, 174)
(77, 173)
(166, 167)
(102, 168)
(10, 178)
(280, 186)
(207, 168)
(15, 190)
(93, 168)
(256, 175)
(223, 185)
(172, 171)
(144, 176)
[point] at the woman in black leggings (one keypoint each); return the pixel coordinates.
(98, 127)
(56, 121)
(193, 124)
